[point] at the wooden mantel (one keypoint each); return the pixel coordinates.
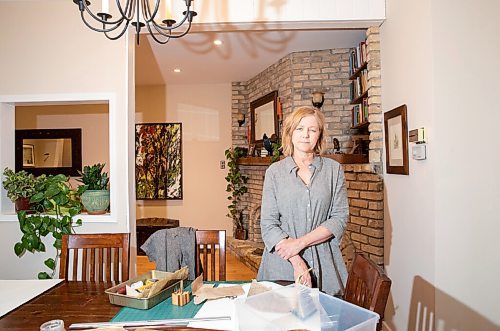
(340, 158)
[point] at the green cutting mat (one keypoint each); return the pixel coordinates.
(163, 310)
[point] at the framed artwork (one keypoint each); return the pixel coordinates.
(158, 161)
(28, 155)
(396, 141)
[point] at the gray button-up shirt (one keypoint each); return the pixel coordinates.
(292, 209)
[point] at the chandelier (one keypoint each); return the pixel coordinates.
(139, 14)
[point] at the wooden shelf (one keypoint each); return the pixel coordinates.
(356, 73)
(340, 158)
(360, 98)
(360, 126)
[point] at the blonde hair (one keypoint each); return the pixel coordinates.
(293, 120)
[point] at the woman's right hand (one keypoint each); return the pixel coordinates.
(300, 269)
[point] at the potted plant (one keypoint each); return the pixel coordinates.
(20, 187)
(53, 193)
(236, 188)
(95, 193)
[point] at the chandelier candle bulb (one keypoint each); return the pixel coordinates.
(105, 6)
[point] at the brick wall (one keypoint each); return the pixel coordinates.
(295, 77)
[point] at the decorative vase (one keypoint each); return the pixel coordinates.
(23, 204)
(96, 202)
(240, 234)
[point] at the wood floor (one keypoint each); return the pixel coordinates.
(235, 270)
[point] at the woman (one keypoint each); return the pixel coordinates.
(304, 209)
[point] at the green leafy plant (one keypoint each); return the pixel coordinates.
(236, 185)
(276, 152)
(19, 184)
(53, 193)
(94, 178)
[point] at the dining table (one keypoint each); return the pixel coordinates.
(72, 302)
(86, 302)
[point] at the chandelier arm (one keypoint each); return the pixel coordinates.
(104, 29)
(175, 36)
(118, 21)
(118, 35)
(152, 34)
(128, 6)
(146, 10)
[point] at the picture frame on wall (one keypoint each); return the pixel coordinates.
(396, 141)
(158, 161)
(28, 155)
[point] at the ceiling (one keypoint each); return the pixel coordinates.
(242, 55)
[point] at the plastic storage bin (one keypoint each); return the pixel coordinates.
(299, 307)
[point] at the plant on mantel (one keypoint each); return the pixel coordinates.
(236, 188)
(53, 196)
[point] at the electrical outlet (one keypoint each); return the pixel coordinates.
(223, 164)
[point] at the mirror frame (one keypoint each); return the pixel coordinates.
(270, 97)
(76, 150)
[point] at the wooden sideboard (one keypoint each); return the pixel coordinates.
(145, 227)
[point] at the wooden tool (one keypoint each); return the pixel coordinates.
(180, 297)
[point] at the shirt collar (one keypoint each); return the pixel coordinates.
(291, 166)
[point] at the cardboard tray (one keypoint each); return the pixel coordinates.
(140, 303)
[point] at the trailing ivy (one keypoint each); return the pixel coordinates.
(53, 196)
(235, 185)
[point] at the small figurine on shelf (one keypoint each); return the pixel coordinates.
(336, 146)
(268, 145)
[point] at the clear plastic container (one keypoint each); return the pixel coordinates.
(299, 307)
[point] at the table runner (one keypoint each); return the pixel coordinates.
(165, 309)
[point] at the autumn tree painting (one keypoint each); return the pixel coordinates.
(158, 161)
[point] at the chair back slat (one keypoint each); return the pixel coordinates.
(91, 266)
(207, 243)
(99, 253)
(75, 262)
(367, 286)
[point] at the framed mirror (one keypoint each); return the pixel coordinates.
(264, 118)
(49, 151)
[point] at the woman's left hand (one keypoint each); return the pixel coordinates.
(289, 247)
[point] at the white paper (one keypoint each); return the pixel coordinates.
(21, 291)
(223, 307)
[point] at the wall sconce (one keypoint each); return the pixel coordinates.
(317, 99)
(240, 118)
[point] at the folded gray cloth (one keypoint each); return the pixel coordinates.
(172, 249)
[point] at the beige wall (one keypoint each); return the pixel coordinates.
(49, 57)
(205, 114)
(442, 220)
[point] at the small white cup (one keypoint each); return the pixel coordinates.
(54, 325)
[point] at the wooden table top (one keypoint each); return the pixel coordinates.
(73, 302)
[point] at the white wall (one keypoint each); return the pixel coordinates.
(442, 219)
(53, 57)
(205, 113)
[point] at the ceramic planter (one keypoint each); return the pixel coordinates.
(96, 202)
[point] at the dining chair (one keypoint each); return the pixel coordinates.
(367, 286)
(207, 243)
(98, 252)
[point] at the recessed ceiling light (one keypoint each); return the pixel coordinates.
(217, 42)
(177, 70)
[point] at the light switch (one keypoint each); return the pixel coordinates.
(418, 152)
(223, 164)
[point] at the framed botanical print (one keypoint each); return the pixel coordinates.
(158, 161)
(396, 141)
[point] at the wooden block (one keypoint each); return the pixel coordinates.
(180, 298)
